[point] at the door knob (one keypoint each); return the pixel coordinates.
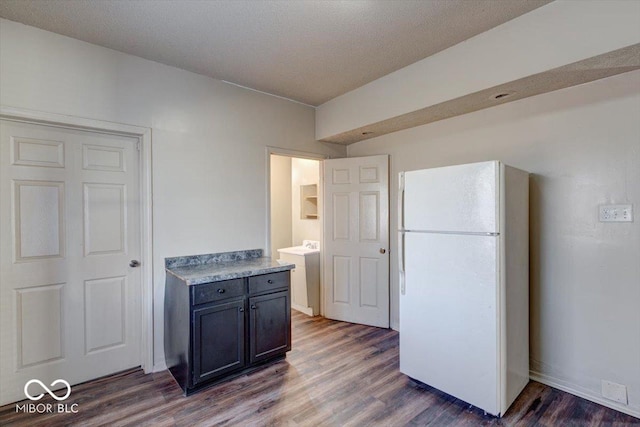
(134, 263)
(383, 250)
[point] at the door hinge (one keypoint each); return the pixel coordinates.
(138, 145)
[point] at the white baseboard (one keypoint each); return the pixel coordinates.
(159, 366)
(306, 310)
(582, 392)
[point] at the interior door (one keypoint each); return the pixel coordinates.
(69, 226)
(356, 240)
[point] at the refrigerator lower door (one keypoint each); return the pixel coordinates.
(449, 316)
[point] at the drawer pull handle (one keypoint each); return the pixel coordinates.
(221, 291)
(241, 310)
(253, 307)
(269, 281)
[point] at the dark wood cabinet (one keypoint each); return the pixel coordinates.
(218, 340)
(231, 327)
(270, 320)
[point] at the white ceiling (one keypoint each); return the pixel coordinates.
(309, 51)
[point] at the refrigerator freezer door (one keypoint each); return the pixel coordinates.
(448, 316)
(461, 198)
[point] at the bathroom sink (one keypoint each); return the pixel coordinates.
(307, 247)
(298, 250)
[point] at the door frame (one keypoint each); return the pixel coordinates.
(300, 155)
(143, 135)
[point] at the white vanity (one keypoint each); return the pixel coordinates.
(305, 277)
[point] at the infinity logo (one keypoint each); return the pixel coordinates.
(47, 389)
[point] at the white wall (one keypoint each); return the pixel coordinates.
(303, 172)
(281, 227)
(582, 147)
(209, 138)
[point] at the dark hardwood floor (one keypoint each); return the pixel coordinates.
(338, 374)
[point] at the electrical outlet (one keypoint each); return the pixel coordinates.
(615, 213)
(613, 391)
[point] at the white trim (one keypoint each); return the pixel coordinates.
(63, 120)
(146, 227)
(321, 209)
(158, 367)
(295, 153)
(576, 390)
(146, 245)
(306, 310)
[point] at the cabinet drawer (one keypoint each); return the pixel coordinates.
(267, 282)
(218, 291)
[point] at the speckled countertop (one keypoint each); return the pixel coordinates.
(197, 269)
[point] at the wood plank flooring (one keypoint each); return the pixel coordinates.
(338, 374)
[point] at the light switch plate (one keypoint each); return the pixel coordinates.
(615, 213)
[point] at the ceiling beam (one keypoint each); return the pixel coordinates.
(558, 45)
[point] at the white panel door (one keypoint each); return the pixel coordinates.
(461, 198)
(356, 240)
(448, 315)
(69, 226)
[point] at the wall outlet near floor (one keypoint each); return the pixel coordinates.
(615, 213)
(613, 391)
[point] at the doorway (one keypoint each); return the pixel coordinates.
(353, 231)
(295, 184)
(295, 226)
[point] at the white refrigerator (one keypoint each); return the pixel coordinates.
(464, 281)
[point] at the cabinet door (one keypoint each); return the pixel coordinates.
(218, 345)
(270, 325)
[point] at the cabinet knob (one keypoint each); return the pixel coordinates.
(221, 291)
(269, 281)
(241, 310)
(253, 307)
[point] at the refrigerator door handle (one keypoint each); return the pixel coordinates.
(403, 288)
(401, 201)
(401, 233)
